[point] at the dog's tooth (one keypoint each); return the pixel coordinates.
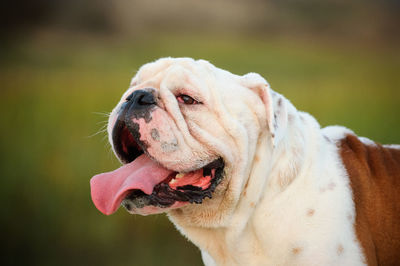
(172, 181)
(180, 175)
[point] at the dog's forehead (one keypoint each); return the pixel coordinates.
(152, 74)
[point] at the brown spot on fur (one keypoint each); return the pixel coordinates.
(256, 158)
(178, 211)
(252, 204)
(340, 249)
(310, 212)
(280, 102)
(331, 186)
(245, 189)
(296, 250)
(374, 174)
(349, 217)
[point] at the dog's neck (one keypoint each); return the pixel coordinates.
(296, 136)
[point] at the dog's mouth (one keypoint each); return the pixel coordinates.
(142, 181)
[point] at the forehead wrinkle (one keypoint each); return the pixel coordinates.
(175, 77)
(153, 81)
(149, 70)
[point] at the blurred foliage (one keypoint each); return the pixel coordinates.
(52, 85)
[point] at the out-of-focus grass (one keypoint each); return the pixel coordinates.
(51, 88)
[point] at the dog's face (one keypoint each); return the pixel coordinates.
(186, 132)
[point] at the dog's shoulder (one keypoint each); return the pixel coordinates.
(374, 177)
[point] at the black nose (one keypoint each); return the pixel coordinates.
(141, 98)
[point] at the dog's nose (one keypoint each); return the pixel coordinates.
(141, 98)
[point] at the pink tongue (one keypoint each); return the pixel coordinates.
(109, 189)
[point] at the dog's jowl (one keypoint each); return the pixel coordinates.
(247, 177)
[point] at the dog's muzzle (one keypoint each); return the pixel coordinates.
(139, 104)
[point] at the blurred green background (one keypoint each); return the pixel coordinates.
(64, 64)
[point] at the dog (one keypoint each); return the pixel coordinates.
(247, 177)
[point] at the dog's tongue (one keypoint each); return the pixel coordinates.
(109, 189)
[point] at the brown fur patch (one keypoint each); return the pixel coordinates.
(374, 173)
(310, 212)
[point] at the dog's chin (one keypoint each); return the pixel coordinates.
(147, 210)
(171, 189)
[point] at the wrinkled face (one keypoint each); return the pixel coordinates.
(182, 130)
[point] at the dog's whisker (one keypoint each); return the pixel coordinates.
(102, 122)
(97, 133)
(106, 114)
(104, 138)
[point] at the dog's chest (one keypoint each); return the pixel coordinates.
(310, 224)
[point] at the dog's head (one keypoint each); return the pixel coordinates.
(186, 133)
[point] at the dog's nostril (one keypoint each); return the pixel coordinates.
(129, 97)
(141, 97)
(146, 99)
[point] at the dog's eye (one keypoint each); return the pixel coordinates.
(186, 99)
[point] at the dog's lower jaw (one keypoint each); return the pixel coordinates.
(208, 214)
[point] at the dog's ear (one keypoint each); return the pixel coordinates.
(261, 87)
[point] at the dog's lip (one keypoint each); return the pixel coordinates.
(164, 196)
(124, 144)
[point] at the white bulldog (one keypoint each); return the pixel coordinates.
(244, 175)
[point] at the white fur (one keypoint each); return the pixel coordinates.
(392, 146)
(285, 198)
(367, 141)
